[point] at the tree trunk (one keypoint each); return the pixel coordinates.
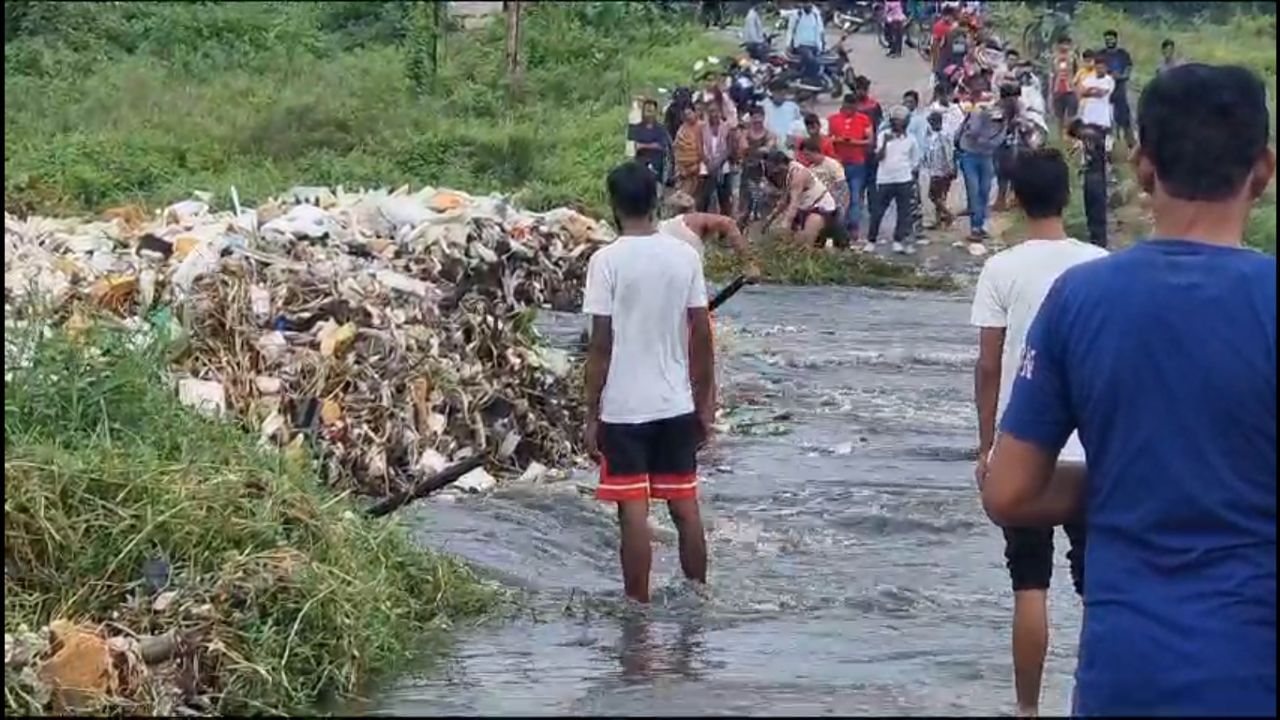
(515, 59)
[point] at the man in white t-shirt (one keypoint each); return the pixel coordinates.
(899, 156)
(647, 412)
(1010, 290)
(1095, 95)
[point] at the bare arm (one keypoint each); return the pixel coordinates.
(599, 356)
(708, 225)
(702, 364)
(1023, 489)
(986, 385)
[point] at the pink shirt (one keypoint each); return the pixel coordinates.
(893, 11)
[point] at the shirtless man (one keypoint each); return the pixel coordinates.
(806, 206)
(697, 229)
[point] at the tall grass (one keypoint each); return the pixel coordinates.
(144, 102)
(298, 595)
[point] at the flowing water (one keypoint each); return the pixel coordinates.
(852, 568)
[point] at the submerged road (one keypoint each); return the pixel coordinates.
(853, 571)
(852, 568)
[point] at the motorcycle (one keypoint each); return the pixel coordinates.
(858, 16)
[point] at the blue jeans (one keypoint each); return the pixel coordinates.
(810, 70)
(856, 176)
(978, 171)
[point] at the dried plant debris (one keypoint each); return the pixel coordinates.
(393, 328)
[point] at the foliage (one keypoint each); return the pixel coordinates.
(104, 470)
(108, 103)
(1223, 33)
(784, 263)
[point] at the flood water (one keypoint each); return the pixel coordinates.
(852, 568)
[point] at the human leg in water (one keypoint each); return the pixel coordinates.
(636, 551)
(1029, 557)
(687, 518)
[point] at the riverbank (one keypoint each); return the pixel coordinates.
(160, 562)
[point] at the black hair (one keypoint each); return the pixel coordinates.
(776, 158)
(1089, 54)
(1012, 51)
(1042, 183)
(1064, 37)
(649, 102)
(812, 119)
(811, 145)
(1168, 43)
(1203, 127)
(911, 94)
(1111, 33)
(862, 82)
(850, 99)
(633, 190)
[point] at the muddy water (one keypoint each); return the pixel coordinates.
(853, 571)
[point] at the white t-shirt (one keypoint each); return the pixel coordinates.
(1097, 110)
(1010, 289)
(899, 158)
(646, 285)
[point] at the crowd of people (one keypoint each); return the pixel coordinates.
(988, 105)
(1129, 398)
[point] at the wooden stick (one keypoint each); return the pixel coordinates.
(425, 486)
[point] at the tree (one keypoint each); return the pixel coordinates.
(515, 59)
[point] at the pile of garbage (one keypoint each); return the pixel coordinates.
(393, 328)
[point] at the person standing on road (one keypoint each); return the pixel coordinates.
(852, 135)
(813, 131)
(1010, 289)
(647, 414)
(940, 169)
(716, 150)
(687, 154)
(980, 137)
(940, 45)
(899, 157)
(781, 116)
(808, 42)
(756, 143)
(1163, 358)
(871, 108)
(895, 26)
(753, 36)
(1120, 64)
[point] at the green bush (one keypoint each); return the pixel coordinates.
(108, 103)
(301, 597)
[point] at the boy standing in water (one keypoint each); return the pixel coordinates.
(1010, 289)
(647, 414)
(1163, 356)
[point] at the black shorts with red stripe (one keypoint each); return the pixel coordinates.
(656, 459)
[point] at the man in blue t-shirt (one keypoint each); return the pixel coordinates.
(1163, 357)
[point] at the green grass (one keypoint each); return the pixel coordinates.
(783, 263)
(145, 102)
(299, 597)
(1240, 38)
